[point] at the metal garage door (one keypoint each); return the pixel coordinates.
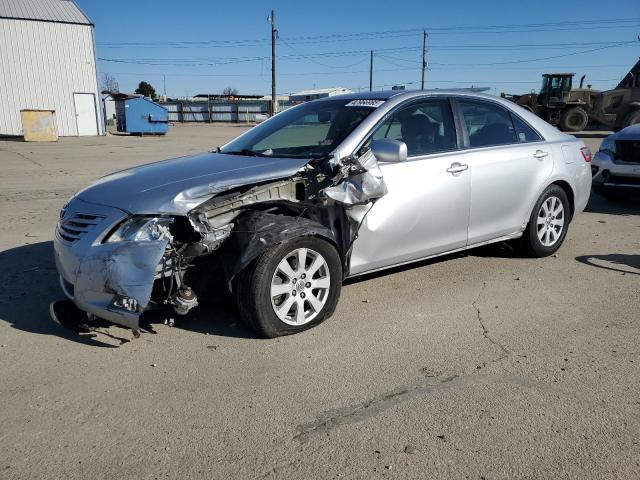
(86, 114)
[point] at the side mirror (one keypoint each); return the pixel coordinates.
(388, 150)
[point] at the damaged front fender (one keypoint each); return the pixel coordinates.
(258, 231)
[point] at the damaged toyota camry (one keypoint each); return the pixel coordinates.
(323, 191)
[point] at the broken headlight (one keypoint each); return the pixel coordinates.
(141, 229)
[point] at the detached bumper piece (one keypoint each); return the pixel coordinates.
(66, 314)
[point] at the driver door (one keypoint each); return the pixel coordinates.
(426, 209)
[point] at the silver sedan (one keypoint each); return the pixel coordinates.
(323, 191)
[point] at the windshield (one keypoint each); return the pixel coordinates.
(310, 130)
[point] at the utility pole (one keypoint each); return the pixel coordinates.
(425, 37)
(371, 72)
(164, 85)
(274, 35)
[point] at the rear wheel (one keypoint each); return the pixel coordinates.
(548, 223)
(574, 120)
(291, 287)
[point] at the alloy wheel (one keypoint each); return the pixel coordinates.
(300, 286)
(550, 221)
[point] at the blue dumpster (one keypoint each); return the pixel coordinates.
(139, 115)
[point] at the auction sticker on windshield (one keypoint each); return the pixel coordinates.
(365, 103)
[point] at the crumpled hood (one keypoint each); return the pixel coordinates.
(178, 185)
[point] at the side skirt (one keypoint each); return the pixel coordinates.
(511, 236)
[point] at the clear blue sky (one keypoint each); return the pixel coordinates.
(202, 46)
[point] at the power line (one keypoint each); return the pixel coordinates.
(232, 60)
(259, 43)
(512, 62)
(312, 60)
(467, 30)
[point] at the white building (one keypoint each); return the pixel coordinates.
(316, 93)
(48, 62)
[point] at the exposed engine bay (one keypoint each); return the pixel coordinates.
(183, 257)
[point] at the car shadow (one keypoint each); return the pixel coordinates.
(30, 283)
(218, 317)
(625, 203)
(614, 262)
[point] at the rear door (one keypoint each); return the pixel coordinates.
(508, 161)
(426, 209)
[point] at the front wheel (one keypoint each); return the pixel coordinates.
(574, 120)
(291, 287)
(548, 223)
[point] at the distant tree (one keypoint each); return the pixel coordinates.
(109, 83)
(230, 92)
(146, 89)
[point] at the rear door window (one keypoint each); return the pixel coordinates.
(487, 124)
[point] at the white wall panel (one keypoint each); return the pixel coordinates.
(42, 65)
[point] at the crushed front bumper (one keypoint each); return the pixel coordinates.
(94, 274)
(610, 172)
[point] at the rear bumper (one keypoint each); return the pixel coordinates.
(609, 173)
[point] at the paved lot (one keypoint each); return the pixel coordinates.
(482, 365)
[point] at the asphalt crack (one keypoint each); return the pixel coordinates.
(485, 332)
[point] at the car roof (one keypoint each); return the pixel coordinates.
(406, 94)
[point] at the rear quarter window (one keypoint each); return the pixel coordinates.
(524, 132)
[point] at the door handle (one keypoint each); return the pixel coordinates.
(540, 154)
(457, 167)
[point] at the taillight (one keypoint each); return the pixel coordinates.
(586, 154)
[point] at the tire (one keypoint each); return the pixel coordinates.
(574, 120)
(632, 118)
(535, 242)
(258, 287)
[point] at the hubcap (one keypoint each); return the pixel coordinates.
(300, 286)
(550, 221)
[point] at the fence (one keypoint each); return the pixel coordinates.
(219, 111)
